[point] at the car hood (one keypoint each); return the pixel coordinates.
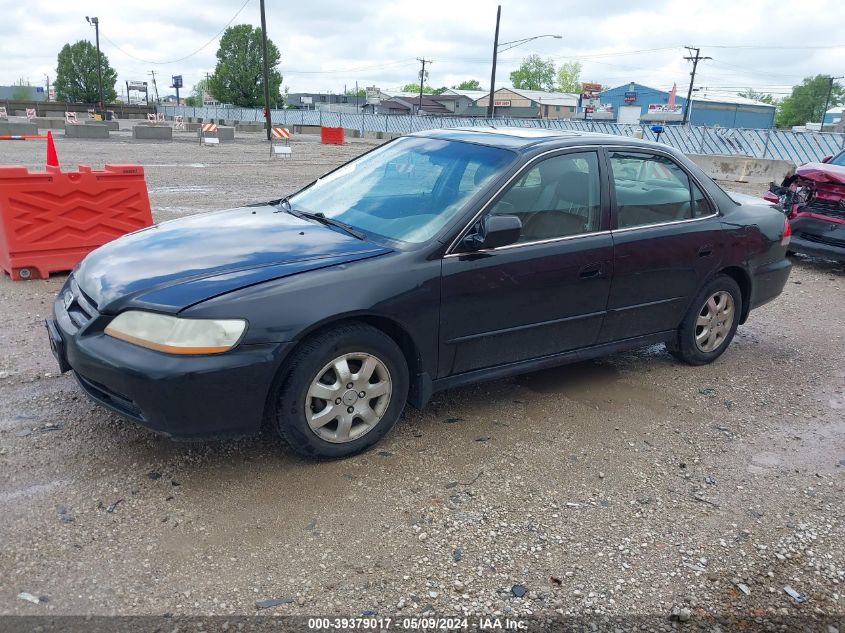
(176, 264)
(822, 172)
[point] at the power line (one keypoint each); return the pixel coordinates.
(173, 61)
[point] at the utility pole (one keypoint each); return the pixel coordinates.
(155, 85)
(422, 78)
(266, 71)
(694, 61)
(495, 55)
(47, 81)
(830, 81)
(96, 24)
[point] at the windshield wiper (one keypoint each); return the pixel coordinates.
(322, 219)
(284, 203)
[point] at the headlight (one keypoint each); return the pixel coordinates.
(176, 335)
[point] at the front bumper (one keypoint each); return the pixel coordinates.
(181, 396)
(814, 236)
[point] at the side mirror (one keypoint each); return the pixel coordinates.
(494, 231)
(826, 159)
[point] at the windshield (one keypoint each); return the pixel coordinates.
(406, 190)
(839, 159)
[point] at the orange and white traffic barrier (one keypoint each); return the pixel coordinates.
(3, 114)
(281, 133)
(30, 114)
(208, 128)
(70, 118)
(151, 117)
(178, 123)
(160, 117)
(92, 114)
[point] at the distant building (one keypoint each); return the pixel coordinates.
(635, 103)
(526, 104)
(834, 116)
(317, 100)
(33, 93)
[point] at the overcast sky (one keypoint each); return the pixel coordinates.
(326, 44)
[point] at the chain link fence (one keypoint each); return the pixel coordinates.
(798, 147)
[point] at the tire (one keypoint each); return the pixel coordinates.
(710, 323)
(324, 427)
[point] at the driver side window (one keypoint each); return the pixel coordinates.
(557, 197)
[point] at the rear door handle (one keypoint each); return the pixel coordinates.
(590, 270)
(705, 251)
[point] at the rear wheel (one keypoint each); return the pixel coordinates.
(343, 390)
(710, 323)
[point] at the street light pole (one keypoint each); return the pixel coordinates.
(267, 117)
(827, 101)
(96, 23)
(505, 46)
(495, 55)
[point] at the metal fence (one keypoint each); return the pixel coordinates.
(798, 147)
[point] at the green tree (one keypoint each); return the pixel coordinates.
(22, 91)
(569, 77)
(238, 77)
(468, 84)
(197, 93)
(361, 92)
(762, 97)
(807, 100)
(76, 74)
(412, 87)
(534, 74)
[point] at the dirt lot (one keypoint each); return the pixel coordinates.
(628, 486)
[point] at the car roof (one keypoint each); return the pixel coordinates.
(523, 138)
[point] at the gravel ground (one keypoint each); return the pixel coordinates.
(629, 486)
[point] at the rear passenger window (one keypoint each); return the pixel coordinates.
(653, 189)
(558, 197)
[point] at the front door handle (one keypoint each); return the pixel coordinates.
(590, 270)
(705, 251)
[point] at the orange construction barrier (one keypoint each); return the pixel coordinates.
(332, 135)
(50, 220)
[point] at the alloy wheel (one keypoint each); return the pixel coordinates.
(348, 397)
(714, 322)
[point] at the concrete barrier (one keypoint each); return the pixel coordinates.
(192, 127)
(48, 123)
(743, 168)
(86, 131)
(17, 129)
(224, 133)
(113, 126)
(152, 132)
(249, 127)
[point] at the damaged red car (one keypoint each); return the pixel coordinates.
(814, 200)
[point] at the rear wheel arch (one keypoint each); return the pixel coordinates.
(743, 280)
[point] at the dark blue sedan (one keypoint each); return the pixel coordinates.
(435, 260)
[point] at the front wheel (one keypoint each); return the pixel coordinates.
(342, 391)
(710, 323)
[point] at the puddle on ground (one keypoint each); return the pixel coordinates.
(578, 381)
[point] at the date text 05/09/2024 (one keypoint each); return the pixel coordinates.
(417, 624)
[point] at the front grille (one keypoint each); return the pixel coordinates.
(110, 398)
(822, 239)
(80, 310)
(825, 207)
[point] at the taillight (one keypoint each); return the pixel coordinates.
(787, 233)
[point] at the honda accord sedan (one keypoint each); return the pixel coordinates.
(435, 260)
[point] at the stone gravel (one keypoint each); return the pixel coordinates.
(628, 486)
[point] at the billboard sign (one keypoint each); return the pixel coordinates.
(588, 88)
(140, 86)
(177, 81)
(307, 100)
(373, 95)
(630, 96)
(502, 103)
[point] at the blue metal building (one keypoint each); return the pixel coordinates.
(635, 103)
